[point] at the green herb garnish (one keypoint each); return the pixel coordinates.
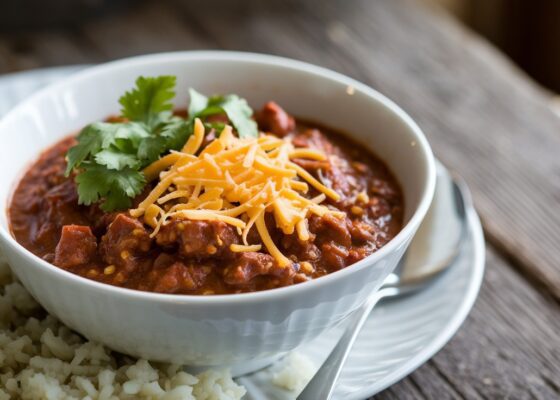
(110, 156)
(236, 109)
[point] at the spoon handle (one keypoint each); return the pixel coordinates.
(321, 386)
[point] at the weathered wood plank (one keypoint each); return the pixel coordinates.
(149, 28)
(509, 346)
(423, 384)
(407, 390)
(44, 49)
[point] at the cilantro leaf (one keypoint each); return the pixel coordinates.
(115, 188)
(87, 145)
(149, 100)
(151, 148)
(91, 139)
(197, 104)
(128, 181)
(173, 136)
(217, 126)
(176, 134)
(113, 158)
(116, 200)
(133, 132)
(91, 185)
(236, 109)
(239, 113)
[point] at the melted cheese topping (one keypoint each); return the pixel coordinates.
(237, 181)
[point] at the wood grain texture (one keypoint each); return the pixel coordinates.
(149, 29)
(484, 118)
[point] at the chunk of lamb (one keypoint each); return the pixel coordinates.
(77, 246)
(198, 239)
(273, 118)
(249, 265)
(125, 239)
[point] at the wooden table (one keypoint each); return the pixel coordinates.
(484, 118)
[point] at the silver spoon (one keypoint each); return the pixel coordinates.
(433, 249)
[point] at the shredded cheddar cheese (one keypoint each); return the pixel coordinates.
(237, 248)
(237, 181)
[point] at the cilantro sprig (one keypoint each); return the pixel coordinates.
(109, 157)
(236, 109)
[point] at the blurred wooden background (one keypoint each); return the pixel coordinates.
(528, 31)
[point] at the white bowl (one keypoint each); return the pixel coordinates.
(240, 330)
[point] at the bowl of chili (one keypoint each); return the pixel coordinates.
(188, 228)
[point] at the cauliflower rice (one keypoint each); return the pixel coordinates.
(40, 358)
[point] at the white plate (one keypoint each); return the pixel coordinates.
(398, 337)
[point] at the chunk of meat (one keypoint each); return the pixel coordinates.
(385, 189)
(334, 256)
(179, 276)
(362, 232)
(100, 219)
(358, 253)
(170, 281)
(198, 239)
(249, 265)
(302, 250)
(316, 139)
(329, 228)
(125, 239)
(61, 200)
(273, 118)
(339, 177)
(60, 208)
(77, 246)
(378, 207)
